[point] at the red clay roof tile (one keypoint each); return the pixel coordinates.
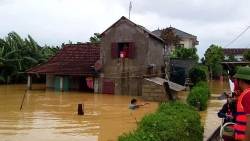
(73, 59)
(234, 50)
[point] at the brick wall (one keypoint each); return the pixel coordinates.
(155, 92)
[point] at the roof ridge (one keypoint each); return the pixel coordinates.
(140, 26)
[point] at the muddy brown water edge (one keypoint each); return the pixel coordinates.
(47, 115)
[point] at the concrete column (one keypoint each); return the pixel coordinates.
(61, 84)
(96, 85)
(29, 84)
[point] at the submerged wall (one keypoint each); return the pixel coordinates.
(155, 92)
(50, 81)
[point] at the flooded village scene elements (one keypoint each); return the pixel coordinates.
(124, 71)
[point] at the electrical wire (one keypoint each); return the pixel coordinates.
(238, 36)
(234, 41)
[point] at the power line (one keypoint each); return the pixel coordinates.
(248, 46)
(238, 36)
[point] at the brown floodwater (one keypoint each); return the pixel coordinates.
(47, 115)
(52, 116)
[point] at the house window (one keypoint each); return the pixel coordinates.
(122, 50)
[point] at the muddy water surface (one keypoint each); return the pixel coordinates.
(52, 116)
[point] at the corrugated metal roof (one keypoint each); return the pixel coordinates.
(160, 81)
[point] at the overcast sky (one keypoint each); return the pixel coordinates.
(53, 22)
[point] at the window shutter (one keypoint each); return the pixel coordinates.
(114, 51)
(131, 50)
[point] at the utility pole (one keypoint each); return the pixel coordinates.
(130, 7)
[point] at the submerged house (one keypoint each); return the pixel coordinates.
(128, 52)
(71, 68)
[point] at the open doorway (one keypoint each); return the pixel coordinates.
(84, 84)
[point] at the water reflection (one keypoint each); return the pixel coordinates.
(49, 115)
(209, 117)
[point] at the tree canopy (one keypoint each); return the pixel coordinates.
(231, 58)
(246, 54)
(172, 40)
(186, 53)
(17, 55)
(95, 39)
(213, 57)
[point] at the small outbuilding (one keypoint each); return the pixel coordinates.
(160, 90)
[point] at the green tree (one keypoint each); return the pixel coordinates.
(171, 40)
(213, 57)
(17, 55)
(95, 39)
(186, 53)
(231, 58)
(246, 54)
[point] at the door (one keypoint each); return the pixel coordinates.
(82, 84)
(108, 86)
(57, 83)
(180, 76)
(65, 83)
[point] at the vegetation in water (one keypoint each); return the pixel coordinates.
(199, 93)
(198, 73)
(174, 121)
(17, 55)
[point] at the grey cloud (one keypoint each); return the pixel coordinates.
(55, 21)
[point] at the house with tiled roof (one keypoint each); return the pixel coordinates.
(70, 68)
(237, 52)
(188, 40)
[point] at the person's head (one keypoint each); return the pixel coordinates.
(133, 101)
(243, 77)
(231, 74)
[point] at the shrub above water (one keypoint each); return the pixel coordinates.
(171, 122)
(199, 93)
(197, 74)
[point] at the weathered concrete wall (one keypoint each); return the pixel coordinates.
(74, 83)
(50, 81)
(126, 72)
(155, 92)
(185, 63)
(155, 54)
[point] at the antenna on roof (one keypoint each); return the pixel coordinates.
(130, 7)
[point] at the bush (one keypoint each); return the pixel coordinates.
(197, 74)
(171, 122)
(201, 93)
(205, 87)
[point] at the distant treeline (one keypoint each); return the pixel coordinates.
(17, 55)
